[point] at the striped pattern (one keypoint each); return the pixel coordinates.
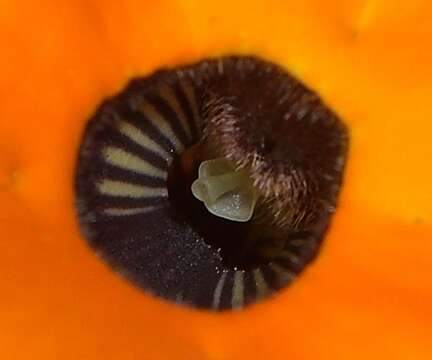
(218, 291)
(235, 289)
(238, 290)
(127, 212)
(124, 206)
(162, 124)
(124, 189)
(132, 169)
(262, 288)
(128, 161)
(143, 139)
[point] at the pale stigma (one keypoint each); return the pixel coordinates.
(225, 192)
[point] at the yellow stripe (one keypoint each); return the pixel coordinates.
(160, 122)
(129, 211)
(260, 283)
(190, 94)
(284, 276)
(238, 288)
(120, 188)
(126, 160)
(218, 291)
(290, 256)
(169, 96)
(142, 139)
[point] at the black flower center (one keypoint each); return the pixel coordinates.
(140, 154)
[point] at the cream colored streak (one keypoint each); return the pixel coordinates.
(120, 188)
(190, 94)
(298, 242)
(220, 67)
(126, 160)
(169, 96)
(238, 289)
(284, 276)
(142, 139)
(291, 257)
(129, 211)
(160, 122)
(218, 291)
(261, 285)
